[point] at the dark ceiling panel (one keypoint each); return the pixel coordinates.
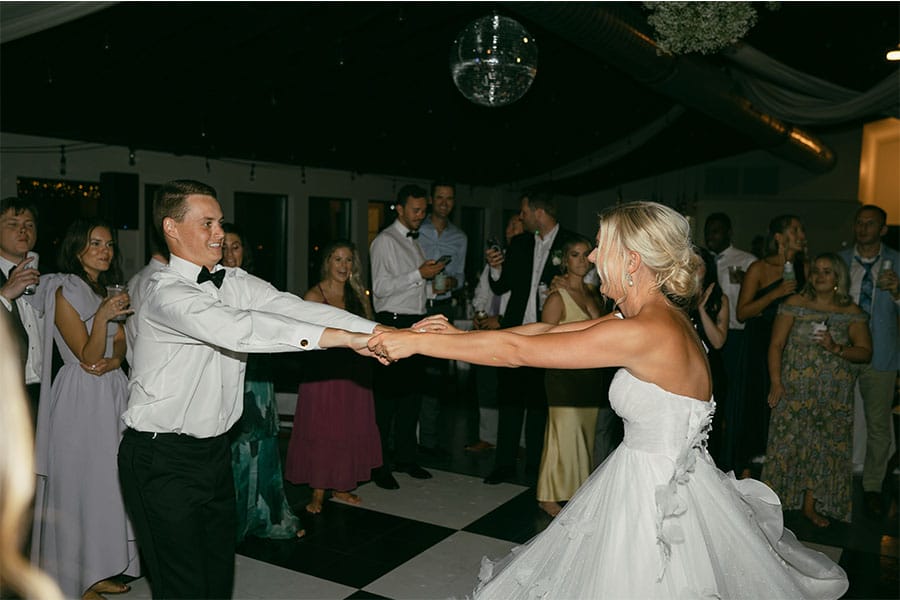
(366, 86)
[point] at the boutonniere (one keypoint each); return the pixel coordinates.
(556, 257)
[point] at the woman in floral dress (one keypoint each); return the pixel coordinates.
(817, 336)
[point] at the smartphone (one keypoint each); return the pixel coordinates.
(445, 259)
(493, 244)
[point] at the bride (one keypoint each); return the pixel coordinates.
(657, 519)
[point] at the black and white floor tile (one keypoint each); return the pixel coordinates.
(426, 539)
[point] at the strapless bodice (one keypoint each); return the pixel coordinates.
(657, 421)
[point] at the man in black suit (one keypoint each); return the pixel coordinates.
(526, 265)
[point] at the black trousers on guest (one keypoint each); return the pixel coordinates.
(520, 391)
(179, 493)
(398, 397)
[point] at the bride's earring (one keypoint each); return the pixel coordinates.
(629, 280)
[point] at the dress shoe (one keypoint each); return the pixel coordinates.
(436, 452)
(872, 505)
(480, 446)
(413, 470)
(383, 479)
(499, 475)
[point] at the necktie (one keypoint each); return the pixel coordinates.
(413, 234)
(18, 327)
(865, 288)
(216, 277)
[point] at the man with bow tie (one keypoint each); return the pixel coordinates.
(18, 272)
(194, 327)
(399, 273)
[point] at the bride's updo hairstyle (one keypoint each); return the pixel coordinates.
(661, 236)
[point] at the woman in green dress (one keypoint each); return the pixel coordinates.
(262, 508)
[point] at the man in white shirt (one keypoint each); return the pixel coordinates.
(195, 325)
(731, 265)
(522, 271)
(18, 272)
(399, 275)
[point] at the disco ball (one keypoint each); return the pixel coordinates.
(493, 61)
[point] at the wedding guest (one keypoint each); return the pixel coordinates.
(875, 287)
(710, 317)
(657, 519)
(195, 327)
(768, 282)
(82, 537)
(573, 396)
(489, 308)
(440, 237)
(400, 273)
(335, 442)
(263, 510)
(18, 276)
(731, 265)
(521, 271)
(817, 338)
(18, 577)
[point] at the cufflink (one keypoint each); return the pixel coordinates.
(304, 343)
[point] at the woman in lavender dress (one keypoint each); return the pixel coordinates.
(81, 535)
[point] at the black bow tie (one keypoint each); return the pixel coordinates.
(216, 277)
(413, 234)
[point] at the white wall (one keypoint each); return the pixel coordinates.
(825, 203)
(228, 177)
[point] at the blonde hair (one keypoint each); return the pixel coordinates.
(662, 238)
(16, 478)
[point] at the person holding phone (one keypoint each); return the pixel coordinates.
(400, 273)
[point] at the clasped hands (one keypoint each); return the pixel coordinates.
(389, 345)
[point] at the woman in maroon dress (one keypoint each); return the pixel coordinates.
(335, 442)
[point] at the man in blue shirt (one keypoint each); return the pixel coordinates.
(439, 237)
(875, 286)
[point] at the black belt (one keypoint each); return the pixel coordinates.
(153, 435)
(398, 320)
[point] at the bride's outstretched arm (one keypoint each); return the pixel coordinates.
(597, 343)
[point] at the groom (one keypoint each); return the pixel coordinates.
(194, 327)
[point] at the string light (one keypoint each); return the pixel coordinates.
(131, 160)
(62, 160)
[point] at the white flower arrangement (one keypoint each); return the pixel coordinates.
(704, 27)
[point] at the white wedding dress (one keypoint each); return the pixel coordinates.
(658, 520)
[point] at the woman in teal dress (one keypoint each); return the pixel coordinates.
(817, 336)
(262, 508)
